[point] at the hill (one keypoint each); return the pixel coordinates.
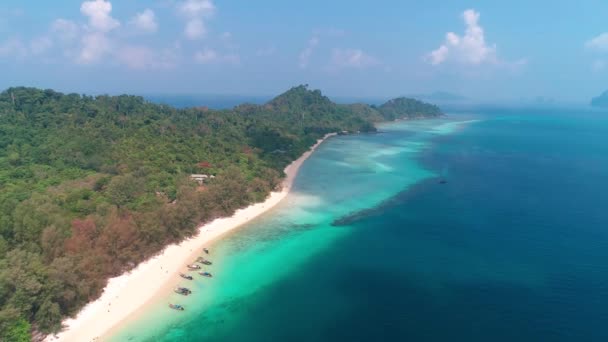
(92, 186)
(406, 108)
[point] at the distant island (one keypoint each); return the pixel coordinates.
(600, 101)
(441, 97)
(92, 186)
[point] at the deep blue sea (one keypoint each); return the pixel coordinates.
(370, 246)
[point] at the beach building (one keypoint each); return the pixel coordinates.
(201, 179)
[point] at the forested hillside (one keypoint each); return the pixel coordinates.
(91, 186)
(405, 108)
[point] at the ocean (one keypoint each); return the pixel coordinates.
(487, 225)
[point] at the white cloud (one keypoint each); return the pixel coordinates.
(13, 47)
(471, 48)
(266, 51)
(142, 58)
(98, 12)
(197, 8)
(20, 49)
(439, 56)
(40, 45)
(195, 29)
(305, 55)
(351, 58)
(195, 12)
(94, 47)
(95, 42)
(209, 56)
(598, 43)
(145, 21)
(66, 30)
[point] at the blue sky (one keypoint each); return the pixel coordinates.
(482, 49)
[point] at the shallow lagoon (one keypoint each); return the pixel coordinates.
(369, 246)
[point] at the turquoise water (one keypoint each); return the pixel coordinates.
(370, 246)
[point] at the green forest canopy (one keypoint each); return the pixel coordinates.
(91, 186)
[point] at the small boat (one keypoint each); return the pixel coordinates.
(206, 250)
(182, 290)
(206, 274)
(176, 307)
(203, 261)
(185, 276)
(194, 267)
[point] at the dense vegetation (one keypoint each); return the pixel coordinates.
(91, 186)
(600, 101)
(404, 108)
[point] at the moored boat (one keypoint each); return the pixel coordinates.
(194, 267)
(203, 261)
(182, 290)
(185, 276)
(176, 307)
(206, 274)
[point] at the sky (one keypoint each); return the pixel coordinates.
(485, 50)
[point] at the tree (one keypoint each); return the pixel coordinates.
(48, 316)
(123, 189)
(12, 327)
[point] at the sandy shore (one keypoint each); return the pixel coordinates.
(125, 294)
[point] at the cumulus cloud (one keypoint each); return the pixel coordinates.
(13, 47)
(196, 12)
(94, 46)
(599, 43)
(98, 39)
(95, 42)
(209, 56)
(98, 12)
(195, 29)
(66, 30)
(99, 44)
(20, 49)
(142, 57)
(351, 58)
(305, 55)
(471, 48)
(145, 21)
(40, 45)
(266, 51)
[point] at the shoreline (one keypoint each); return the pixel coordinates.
(151, 278)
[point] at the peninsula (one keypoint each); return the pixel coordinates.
(91, 187)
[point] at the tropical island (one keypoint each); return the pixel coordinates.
(600, 101)
(90, 187)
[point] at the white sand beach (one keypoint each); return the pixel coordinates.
(125, 294)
